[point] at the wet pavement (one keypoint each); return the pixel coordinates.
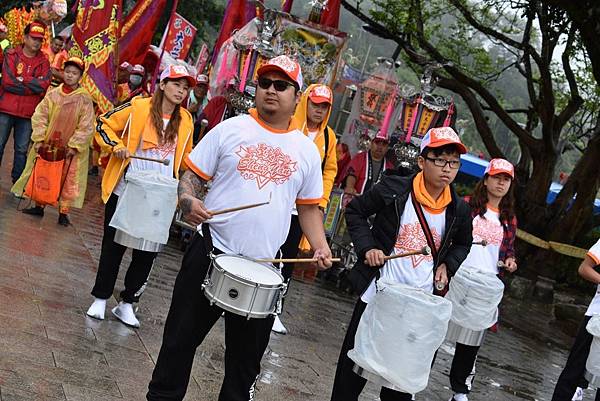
(50, 350)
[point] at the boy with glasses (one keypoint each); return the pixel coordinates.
(400, 205)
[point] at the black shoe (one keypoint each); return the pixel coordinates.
(63, 220)
(93, 171)
(34, 211)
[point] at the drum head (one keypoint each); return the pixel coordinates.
(249, 270)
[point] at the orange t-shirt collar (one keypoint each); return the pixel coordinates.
(433, 205)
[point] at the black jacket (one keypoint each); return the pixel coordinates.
(386, 200)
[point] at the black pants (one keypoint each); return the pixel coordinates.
(462, 367)
(111, 256)
(347, 385)
(289, 249)
(190, 319)
(572, 375)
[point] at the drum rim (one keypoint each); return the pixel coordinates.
(244, 279)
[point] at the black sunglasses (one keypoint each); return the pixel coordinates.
(279, 84)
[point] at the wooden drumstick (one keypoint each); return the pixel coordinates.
(235, 209)
(423, 251)
(294, 260)
(482, 243)
(166, 162)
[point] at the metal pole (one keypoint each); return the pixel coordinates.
(362, 70)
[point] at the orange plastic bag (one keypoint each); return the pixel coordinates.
(44, 185)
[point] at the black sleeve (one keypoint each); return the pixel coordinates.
(357, 213)
(462, 239)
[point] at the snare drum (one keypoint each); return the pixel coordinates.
(244, 287)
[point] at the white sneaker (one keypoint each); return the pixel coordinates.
(459, 397)
(278, 327)
(578, 396)
(124, 312)
(97, 309)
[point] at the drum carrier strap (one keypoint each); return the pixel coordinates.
(428, 237)
(207, 238)
(326, 149)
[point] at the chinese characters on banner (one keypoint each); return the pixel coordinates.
(179, 37)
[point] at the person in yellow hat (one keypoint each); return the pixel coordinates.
(311, 118)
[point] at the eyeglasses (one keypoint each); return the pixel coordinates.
(279, 84)
(454, 164)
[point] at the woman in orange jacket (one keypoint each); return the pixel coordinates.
(156, 127)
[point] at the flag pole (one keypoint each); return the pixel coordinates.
(162, 52)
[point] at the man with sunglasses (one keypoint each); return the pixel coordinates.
(249, 159)
(410, 213)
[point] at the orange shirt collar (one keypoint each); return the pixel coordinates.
(434, 205)
(254, 113)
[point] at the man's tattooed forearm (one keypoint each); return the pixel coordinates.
(190, 186)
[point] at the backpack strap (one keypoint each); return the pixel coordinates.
(326, 149)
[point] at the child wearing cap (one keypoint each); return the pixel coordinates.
(63, 122)
(494, 221)
(157, 128)
(410, 213)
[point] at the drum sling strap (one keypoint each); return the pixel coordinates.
(207, 238)
(428, 237)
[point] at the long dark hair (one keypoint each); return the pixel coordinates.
(170, 133)
(479, 200)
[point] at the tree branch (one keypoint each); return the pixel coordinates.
(576, 101)
(523, 45)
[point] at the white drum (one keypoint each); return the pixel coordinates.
(145, 210)
(398, 335)
(475, 296)
(592, 365)
(243, 286)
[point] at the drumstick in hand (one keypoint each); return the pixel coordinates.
(482, 243)
(235, 209)
(423, 251)
(298, 260)
(166, 162)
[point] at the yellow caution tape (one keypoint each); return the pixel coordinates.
(563, 249)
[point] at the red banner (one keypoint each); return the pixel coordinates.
(202, 58)
(331, 14)
(94, 41)
(179, 37)
(137, 30)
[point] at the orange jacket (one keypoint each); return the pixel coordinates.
(123, 127)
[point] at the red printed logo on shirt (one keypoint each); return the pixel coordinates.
(265, 164)
(412, 238)
(488, 231)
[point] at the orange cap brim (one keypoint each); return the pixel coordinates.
(274, 68)
(462, 149)
(319, 99)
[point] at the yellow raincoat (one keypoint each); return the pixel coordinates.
(330, 169)
(69, 117)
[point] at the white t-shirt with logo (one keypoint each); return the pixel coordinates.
(415, 270)
(594, 308)
(161, 152)
(249, 163)
(489, 229)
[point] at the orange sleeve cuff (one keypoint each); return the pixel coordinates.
(594, 258)
(315, 201)
(197, 170)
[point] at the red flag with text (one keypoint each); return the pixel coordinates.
(179, 37)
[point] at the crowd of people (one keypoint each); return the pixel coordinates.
(282, 150)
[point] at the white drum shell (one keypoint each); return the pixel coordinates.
(146, 207)
(475, 296)
(399, 333)
(462, 335)
(240, 295)
(592, 365)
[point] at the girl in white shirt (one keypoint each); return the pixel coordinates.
(495, 223)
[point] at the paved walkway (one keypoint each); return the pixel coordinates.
(49, 349)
